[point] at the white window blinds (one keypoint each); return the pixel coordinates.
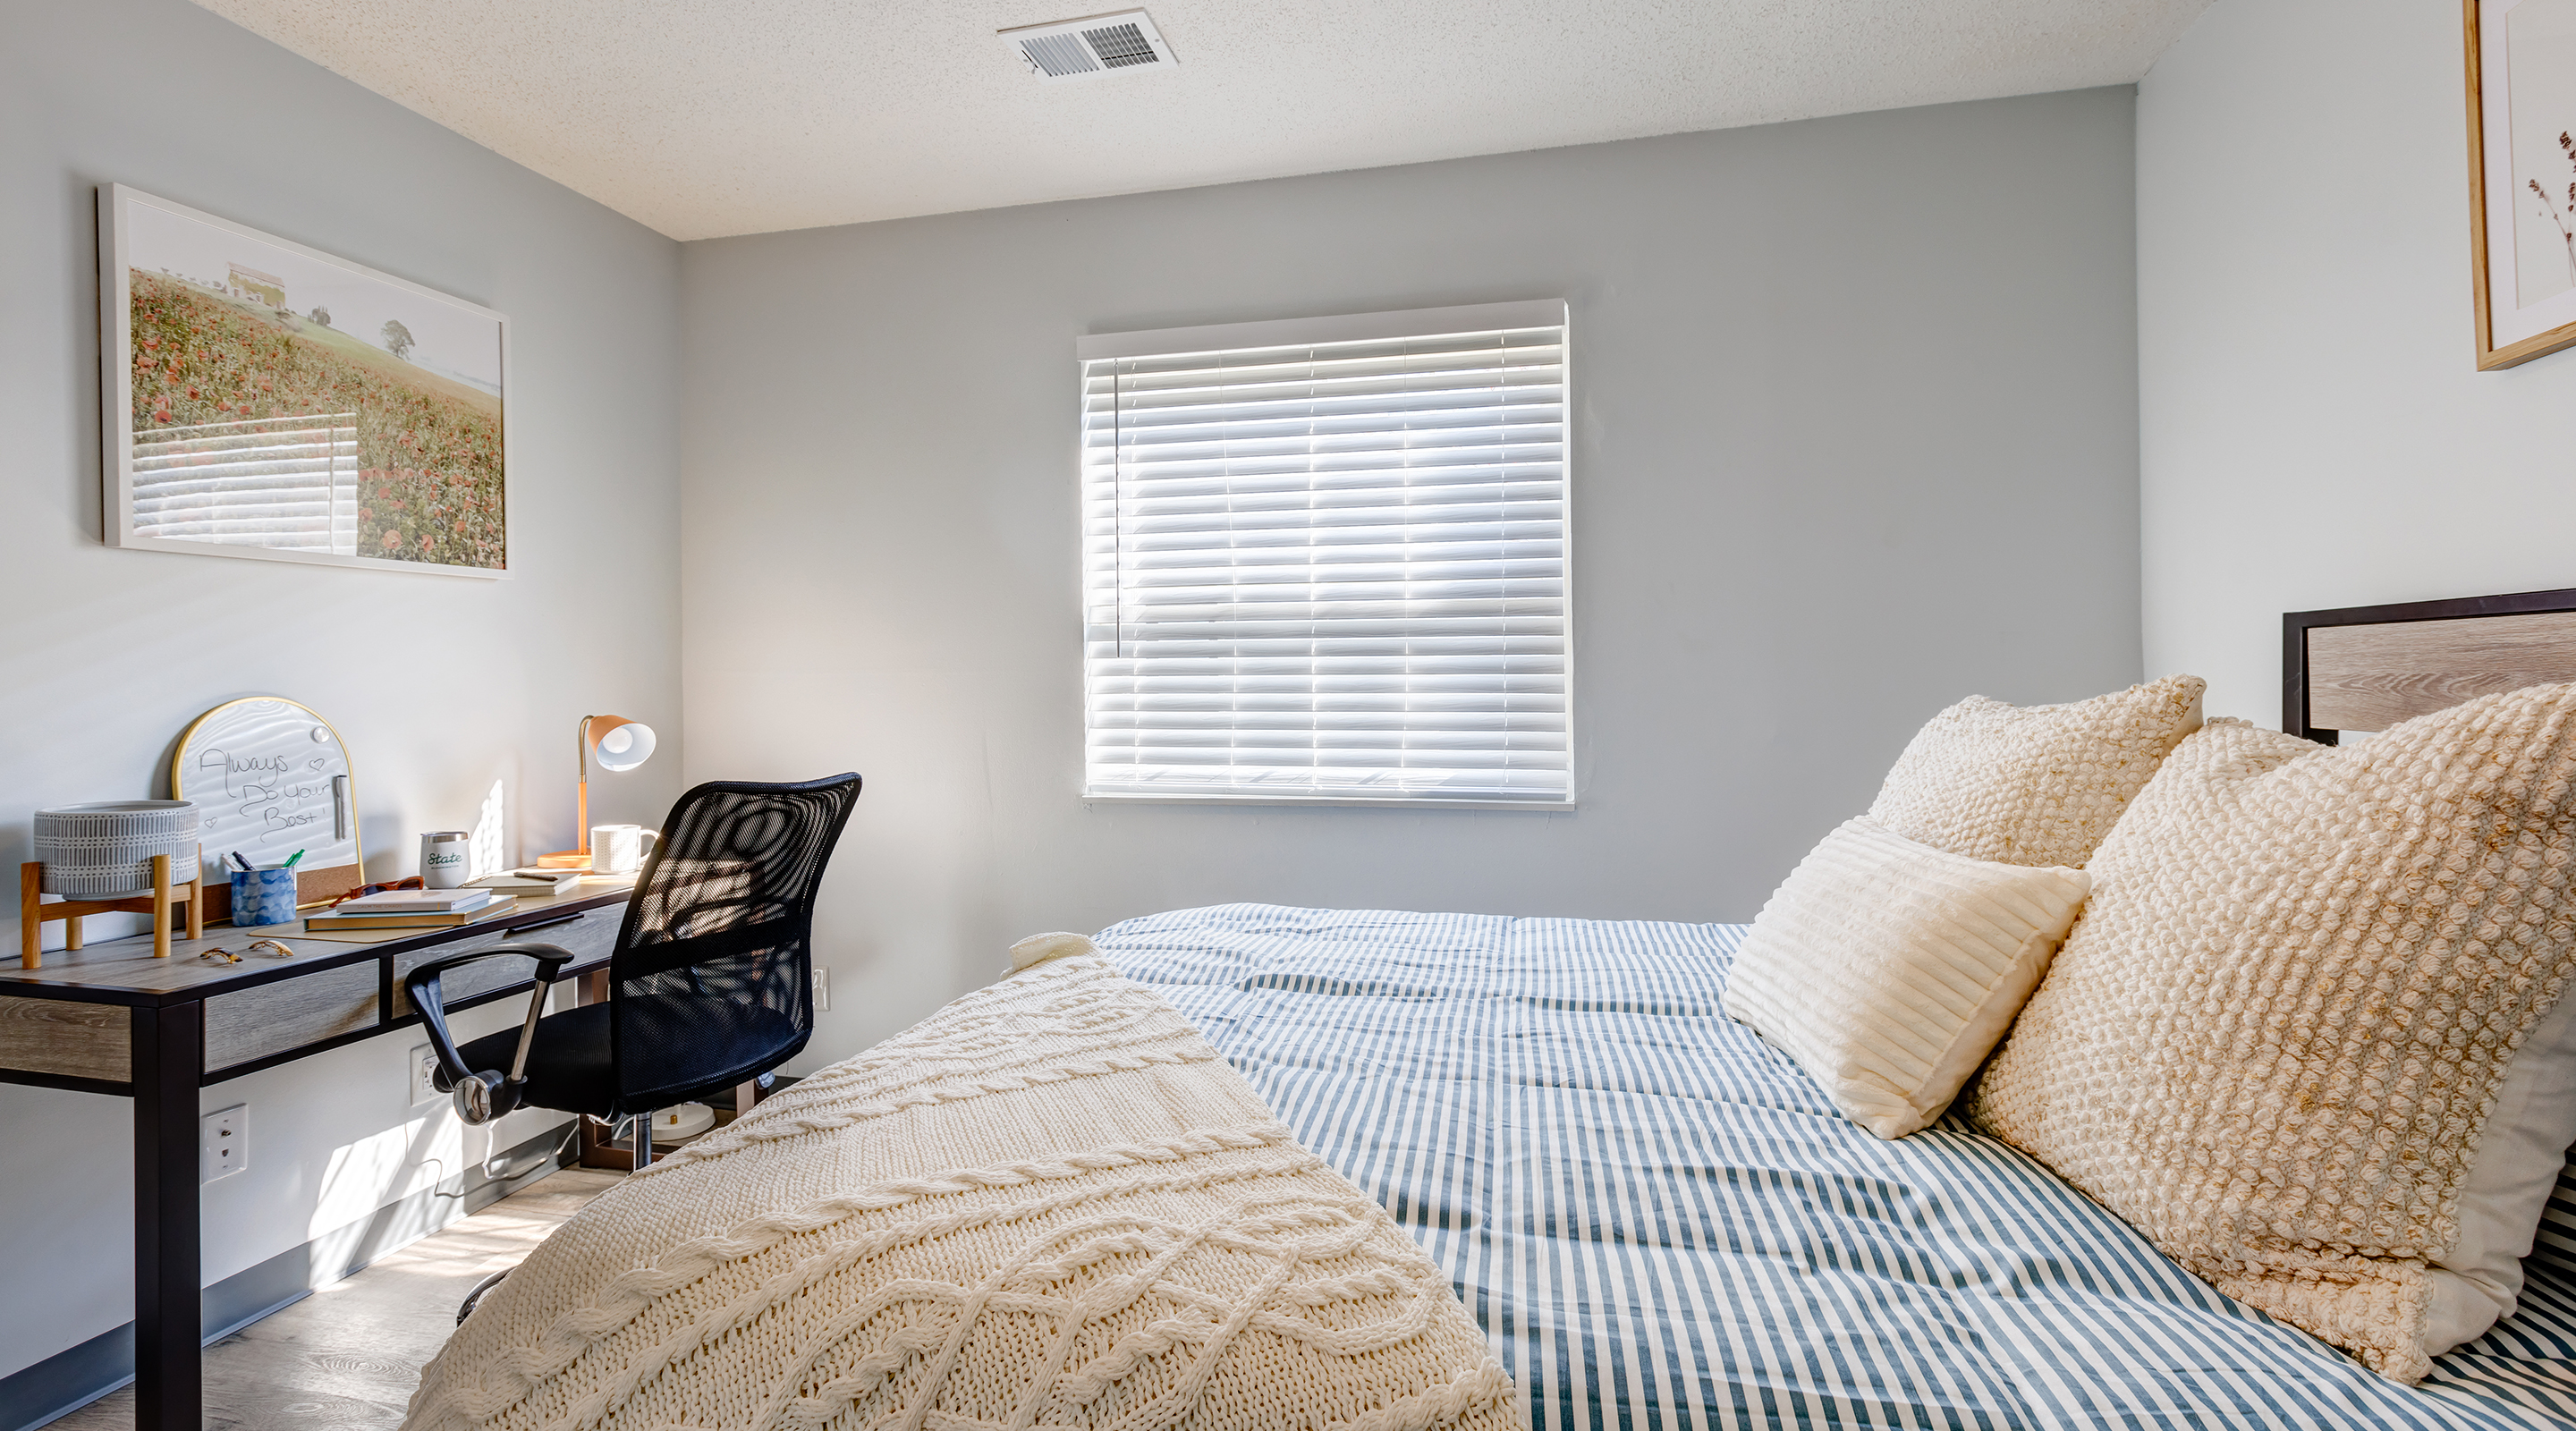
(1326, 559)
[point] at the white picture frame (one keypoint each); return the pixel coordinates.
(233, 425)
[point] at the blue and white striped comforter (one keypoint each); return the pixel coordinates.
(1662, 1223)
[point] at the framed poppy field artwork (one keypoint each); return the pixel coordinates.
(2522, 176)
(263, 399)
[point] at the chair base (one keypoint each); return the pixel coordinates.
(601, 1149)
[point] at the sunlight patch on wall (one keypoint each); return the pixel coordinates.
(375, 1170)
(488, 854)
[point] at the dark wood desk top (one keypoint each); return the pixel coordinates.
(123, 971)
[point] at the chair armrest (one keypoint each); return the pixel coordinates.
(421, 985)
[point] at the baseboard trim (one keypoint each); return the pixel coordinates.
(73, 1378)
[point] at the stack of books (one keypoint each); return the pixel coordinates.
(531, 881)
(411, 909)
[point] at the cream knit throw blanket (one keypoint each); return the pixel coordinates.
(1048, 1205)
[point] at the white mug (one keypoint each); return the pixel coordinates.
(444, 856)
(620, 849)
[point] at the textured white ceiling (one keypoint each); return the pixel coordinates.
(711, 117)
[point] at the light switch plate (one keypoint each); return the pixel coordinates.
(223, 1142)
(822, 989)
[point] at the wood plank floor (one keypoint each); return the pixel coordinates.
(350, 1354)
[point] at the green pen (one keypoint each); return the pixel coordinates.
(291, 859)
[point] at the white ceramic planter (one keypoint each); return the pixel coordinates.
(105, 851)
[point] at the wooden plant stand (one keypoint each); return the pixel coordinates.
(34, 914)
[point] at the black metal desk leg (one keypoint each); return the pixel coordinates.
(168, 1334)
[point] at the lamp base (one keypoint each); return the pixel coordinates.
(565, 860)
(682, 1121)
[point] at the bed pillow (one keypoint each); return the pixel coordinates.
(2034, 785)
(1888, 969)
(2519, 1161)
(2287, 1036)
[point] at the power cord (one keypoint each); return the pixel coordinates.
(502, 1169)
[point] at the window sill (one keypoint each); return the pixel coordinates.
(1333, 801)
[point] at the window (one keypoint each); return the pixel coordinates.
(1325, 559)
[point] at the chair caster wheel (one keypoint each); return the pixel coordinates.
(487, 1284)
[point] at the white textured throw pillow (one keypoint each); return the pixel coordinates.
(2034, 785)
(1888, 969)
(2304, 1035)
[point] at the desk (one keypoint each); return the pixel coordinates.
(112, 1019)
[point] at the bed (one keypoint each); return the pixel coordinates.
(1651, 1216)
(1661, 1222)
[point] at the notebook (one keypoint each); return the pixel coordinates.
(417, 901)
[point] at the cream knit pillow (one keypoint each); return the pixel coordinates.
(1887, 969)
(2523, 1150)
(2274, 1040)
(2034, 785)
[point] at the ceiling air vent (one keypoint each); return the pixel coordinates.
(1092, 47)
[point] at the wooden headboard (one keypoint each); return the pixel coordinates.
(2369, 667)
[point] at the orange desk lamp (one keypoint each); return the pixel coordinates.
(617, 744)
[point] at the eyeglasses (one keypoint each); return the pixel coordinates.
(226, 956)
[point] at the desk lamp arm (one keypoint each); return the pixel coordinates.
(581, 778)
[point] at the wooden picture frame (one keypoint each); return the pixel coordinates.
(262, 399)
(2524, 307)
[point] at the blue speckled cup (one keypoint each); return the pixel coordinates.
(263, 897)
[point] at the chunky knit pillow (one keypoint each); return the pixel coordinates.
(1887, 969)
(2034, 785)
(2274, 1040)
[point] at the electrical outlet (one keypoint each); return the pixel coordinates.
(424, 1069)
(223, 1142)
(822, 989)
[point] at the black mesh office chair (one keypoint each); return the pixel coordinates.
(711, 983)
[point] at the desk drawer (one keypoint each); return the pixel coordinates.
(590, 938)
(72, 1040)
(275, 1018)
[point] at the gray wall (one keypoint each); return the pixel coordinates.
(2315, 432)
(105, 654)
(1856, 436)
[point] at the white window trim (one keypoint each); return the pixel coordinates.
(1407, 323)
(1356, 328)
(1526, 807)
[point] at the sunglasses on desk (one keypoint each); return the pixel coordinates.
(274, 950)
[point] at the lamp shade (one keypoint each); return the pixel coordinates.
(624, 746)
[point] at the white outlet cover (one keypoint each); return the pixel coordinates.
(423, 1064)
(223, 1142)
(822, 989)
